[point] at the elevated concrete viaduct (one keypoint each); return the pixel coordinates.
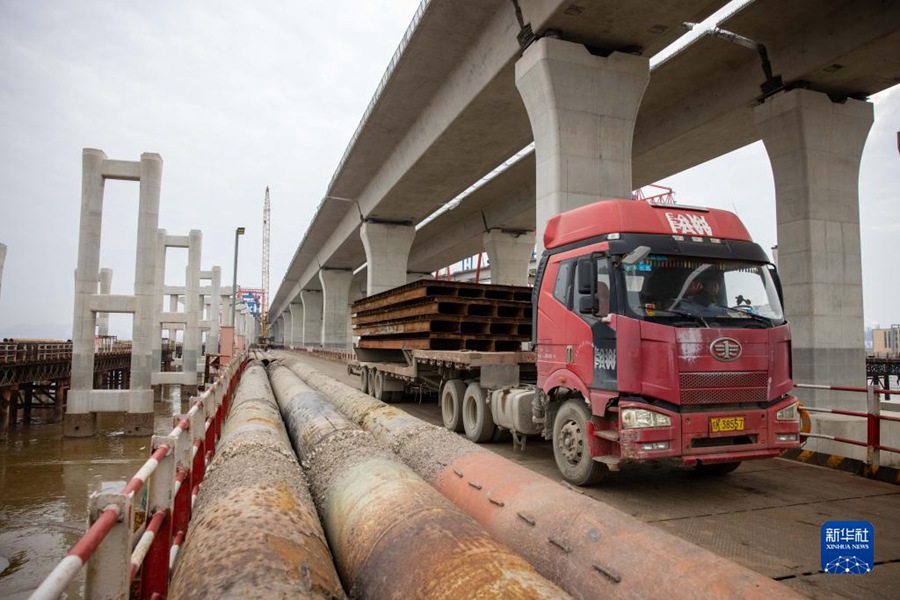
(448, 112)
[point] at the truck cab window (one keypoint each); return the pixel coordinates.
(561, 287)
(666, 287)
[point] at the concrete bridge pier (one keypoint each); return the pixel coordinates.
(105, 288)
(815, 146)
(312, 317)
(84, 402)
(582, 110)
(297, 317)
(387, 254)
(189, 320)
(509, 254)
(191, 351)
(2, 262)
(336, 307)
(210, 307)
(281, 327)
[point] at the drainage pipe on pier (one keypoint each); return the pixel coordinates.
(255, 532)
(392, 534)
(588, 548)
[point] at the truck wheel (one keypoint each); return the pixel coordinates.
(371, 379)
(364, 380)
(451, 404)
(379, 392)
(476, 415)
(717, 469)
(570, 444)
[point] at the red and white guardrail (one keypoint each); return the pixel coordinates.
(136, 532)
(872, 415)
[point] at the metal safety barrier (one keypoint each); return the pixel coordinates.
(134, 533)
(873, 418)
(331, 353)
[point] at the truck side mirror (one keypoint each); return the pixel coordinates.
(587, 277)
(587, 287)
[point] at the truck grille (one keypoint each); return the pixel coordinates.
(727, 387)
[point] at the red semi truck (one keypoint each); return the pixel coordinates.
(658, 333)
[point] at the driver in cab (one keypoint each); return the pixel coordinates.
(702, 295)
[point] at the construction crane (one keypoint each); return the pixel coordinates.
(264, 309)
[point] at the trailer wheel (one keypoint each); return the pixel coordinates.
(716, 469)
(370, 377)
(378, 391)
(571, 446)
(364, 380)
(476, 415)
(452, 394)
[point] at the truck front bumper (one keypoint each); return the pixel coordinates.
(711, 436)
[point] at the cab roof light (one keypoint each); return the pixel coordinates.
(614, 236)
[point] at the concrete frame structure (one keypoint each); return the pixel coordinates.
(509, 254)
(211, 301)
(105, 288)
(815, 147)
(387, 254)
(2, 262)
(190, 318)
(84, 402)
(313, 304)
(336, 308)
(582, 110)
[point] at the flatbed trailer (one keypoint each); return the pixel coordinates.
(419, 371)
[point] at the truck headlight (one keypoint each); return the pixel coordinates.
(634, 418)
(790, 413)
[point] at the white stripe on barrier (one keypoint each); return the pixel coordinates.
(147, 469)
(173, 556)
(141, 549)
(59, 578)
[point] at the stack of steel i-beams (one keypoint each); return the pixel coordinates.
(445, 315)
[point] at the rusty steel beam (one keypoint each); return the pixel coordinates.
(255, 532)
(588, 548)
(393, 535)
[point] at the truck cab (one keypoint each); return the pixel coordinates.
(659, 334)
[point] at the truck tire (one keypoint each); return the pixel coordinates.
(451, 404)
(476, 415)
(379, 392)
(571, 446)
(717, 469)
(371, 379)
(364, 380)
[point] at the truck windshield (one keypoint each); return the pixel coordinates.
(664, 287)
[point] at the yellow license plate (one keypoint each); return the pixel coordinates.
(720, 424)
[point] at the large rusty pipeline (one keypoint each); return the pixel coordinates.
(588, 548)
(255, 532)
(392, 534)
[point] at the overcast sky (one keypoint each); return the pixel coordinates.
(237, 96)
